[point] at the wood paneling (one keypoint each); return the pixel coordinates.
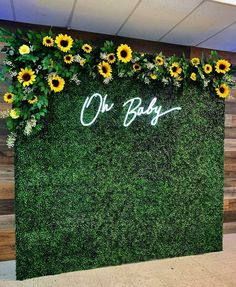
(7, 219)
(7, 244)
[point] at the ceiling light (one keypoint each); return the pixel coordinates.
(231, 2)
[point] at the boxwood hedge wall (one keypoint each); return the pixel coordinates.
(106, 195)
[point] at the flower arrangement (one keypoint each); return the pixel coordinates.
(38, 64)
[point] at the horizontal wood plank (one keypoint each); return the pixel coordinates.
(7, 206)
(7, 244)
(7, 221)
(229, 216)
(7, 189)
(229, 227)
(229, 204)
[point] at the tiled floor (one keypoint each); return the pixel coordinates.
(208, 270)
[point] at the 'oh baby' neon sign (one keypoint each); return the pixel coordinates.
(135, 109)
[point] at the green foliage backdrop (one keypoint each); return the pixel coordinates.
(106, 195)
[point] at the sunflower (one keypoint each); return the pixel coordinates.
(82, 62)
(87, 48)
(64, 42)
(153, 76)
(56, 83)
(193, 77)
(222, 66)
(104, 69)
(124, 53)
(175, 70)
(195, 61)
(33, 100)
(111, 58)
(159, 60)
(68, 59)
(136, 67)
(24, 49)
(14, 114)
(26, 77)
(207, 68)
(8, 98)
(48, 41)
(222, 91)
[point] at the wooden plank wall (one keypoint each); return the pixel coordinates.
(7, 217)
(229, 148)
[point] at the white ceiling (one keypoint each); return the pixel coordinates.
(202, 23)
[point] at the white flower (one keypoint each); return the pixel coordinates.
(134, 60)
(4, 114)
(77, 58)
(177, 83)
(103, 56)
(75, 79)
(107, 80)
(30, 124)
(121, 75)
(150, 66)
(147, 81)
(165, 81)
(206, 83)
(39, 67)
(11, 140)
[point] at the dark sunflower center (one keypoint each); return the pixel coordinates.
(222, 90)
(48, 41)
(64, 43)
(222, 66)
(55, 83)
(68, 58)
(174, 69)
(111, 57)
(136, 67)
(9, 96)
(123, 54)
(26, 77)
(104, 69)
(208, 68)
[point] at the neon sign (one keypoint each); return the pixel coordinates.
(135, 109)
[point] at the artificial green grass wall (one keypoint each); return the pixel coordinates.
(106, 194)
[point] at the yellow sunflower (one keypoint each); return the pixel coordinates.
(64, 42)
(68, 59)
(82, 62)
(26, 77)
(193, 77)
(159, 60)
(104, 69)
(24, 49)
(56, 83)
(153, 76)
(111, 58)
(8, 98)
(136, 67)
(124, 53)
(87, 48)
(48, 41)
(175, 70)
(33, 100)
(195, 61)
(14, 114)
(222, 66)
(222, 91)
(207, 68)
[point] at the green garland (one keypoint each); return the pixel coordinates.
(39, 64)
